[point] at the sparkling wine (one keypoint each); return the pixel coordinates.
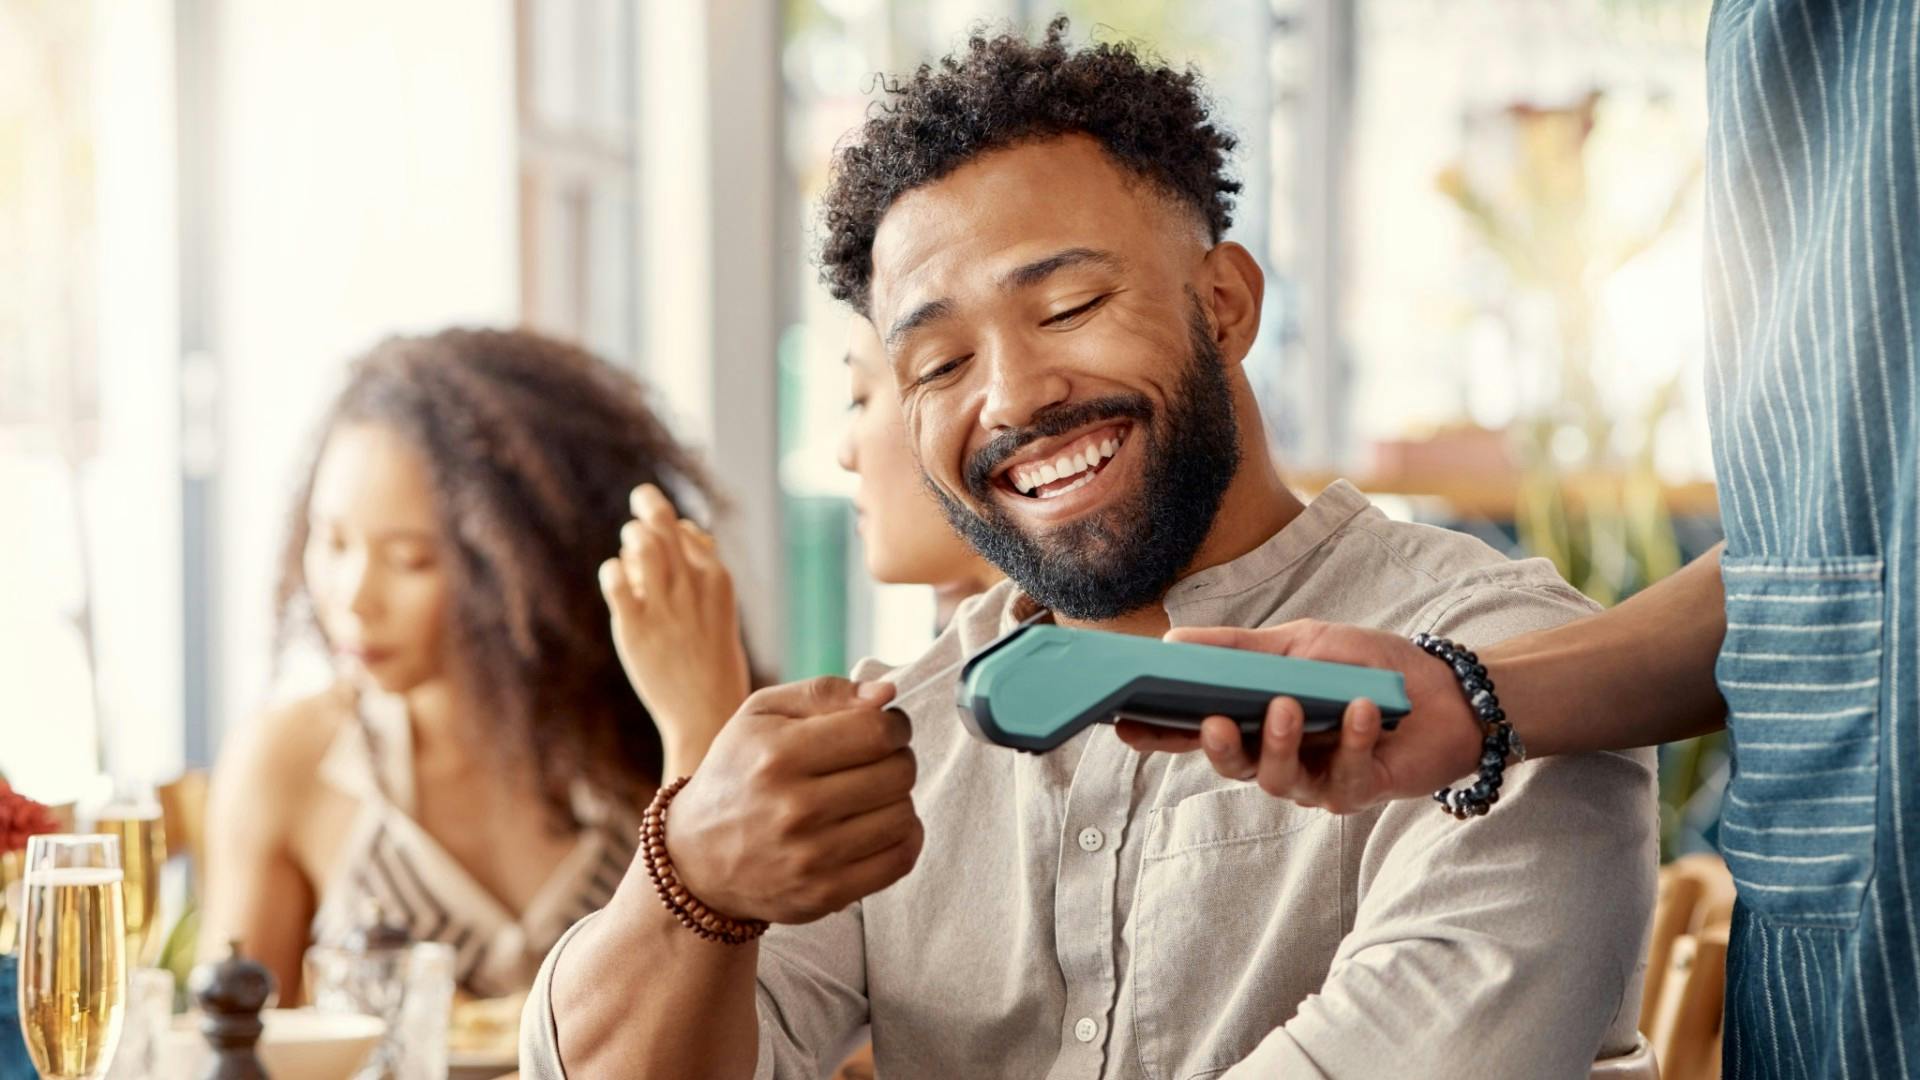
(73, 969)
(143, 851)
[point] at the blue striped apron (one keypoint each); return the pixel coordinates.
(1813, 291)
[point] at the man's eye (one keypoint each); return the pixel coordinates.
(856, 404)
(942, 371)
(1073, 313)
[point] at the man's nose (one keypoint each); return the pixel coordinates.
(1019, 385)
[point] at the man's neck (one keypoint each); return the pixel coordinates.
(1256, 506)
(948, 598)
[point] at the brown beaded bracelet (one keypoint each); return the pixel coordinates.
(686, 907)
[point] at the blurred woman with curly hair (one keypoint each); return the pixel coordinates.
(475, 773)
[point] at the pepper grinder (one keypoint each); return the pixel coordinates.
(231, 994)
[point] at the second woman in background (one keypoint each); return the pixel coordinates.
(674, 618)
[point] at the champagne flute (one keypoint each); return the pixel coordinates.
(73, 963)
(134, 816)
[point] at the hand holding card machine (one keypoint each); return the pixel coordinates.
(1039, 685)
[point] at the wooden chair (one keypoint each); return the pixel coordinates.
(1674, 902)
(183, 816)
(1686, 1031)
(858, 1066)
(1685, 987)
(1639, 1064)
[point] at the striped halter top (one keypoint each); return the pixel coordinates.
(391, 869)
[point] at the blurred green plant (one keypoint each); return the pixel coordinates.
(1590, 498)
(177, 955)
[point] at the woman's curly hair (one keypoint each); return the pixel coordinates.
(531, 446)
(1004, 90)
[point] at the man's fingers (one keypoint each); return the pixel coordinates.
(1280, 770)
(814, 697)
(865, 834)
(1280, 640)
(884, 867)
(1350, 777)
(1226, 637)
(847, 740)
(1148, 738)
(1221, 739)
(867, 787)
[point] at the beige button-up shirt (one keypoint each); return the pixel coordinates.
(1093, 913)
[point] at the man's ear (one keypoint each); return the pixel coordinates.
(1233, 289)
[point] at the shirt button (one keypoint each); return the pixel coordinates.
(1091, 839)
(1086, 1029)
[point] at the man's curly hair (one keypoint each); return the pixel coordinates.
(1004, 90)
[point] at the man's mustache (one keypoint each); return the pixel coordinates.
(1048, 423)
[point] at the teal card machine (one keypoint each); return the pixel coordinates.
(1039, 685)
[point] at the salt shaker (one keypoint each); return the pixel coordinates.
(231, 994)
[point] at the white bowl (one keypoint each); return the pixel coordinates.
(298, 1044)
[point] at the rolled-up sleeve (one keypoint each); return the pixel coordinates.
(811, 996)
(539, 1042)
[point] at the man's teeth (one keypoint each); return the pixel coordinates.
(1084, 480)
(1032, 477)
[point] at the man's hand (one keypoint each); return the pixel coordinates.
(675, 626)
(803, 805)
(1435, 745)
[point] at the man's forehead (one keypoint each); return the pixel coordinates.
(1003, 209)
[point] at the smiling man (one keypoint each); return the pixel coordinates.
(1037, 232)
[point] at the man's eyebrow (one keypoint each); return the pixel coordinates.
(931, 311)
(1040, 270)
(1019, 277)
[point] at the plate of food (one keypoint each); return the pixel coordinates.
(483, 1037)
(296, 1044)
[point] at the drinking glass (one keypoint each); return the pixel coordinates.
(73, 962)
(410, 987)
(149, 1020)
(133, 815)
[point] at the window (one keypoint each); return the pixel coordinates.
(575, 91)
(90, 625)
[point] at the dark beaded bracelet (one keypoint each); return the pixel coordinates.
(1499, 742)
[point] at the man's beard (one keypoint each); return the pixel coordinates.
(1125, 555)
